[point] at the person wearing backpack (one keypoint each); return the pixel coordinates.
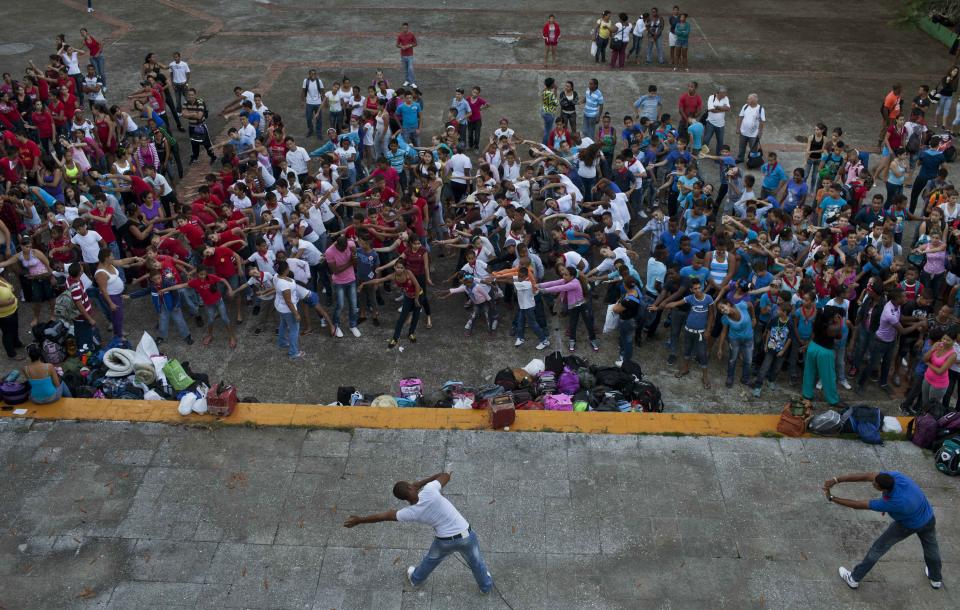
(911, 512)
(930, 160)
(750, 124)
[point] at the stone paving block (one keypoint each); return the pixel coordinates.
(171, 561)
(264, 576)
(155, 595)
(27, 592)
(571, 528)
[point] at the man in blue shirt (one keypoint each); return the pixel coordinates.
(592, 109)
(410, 119)
(463, 112)
(630, 129)
(671, 238)
(911, 512)
(929, 160)
(648, 105)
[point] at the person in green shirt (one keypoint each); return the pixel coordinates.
(682, 32)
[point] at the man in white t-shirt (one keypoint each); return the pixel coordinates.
(285, 302)
(333, 101)
(750, 124)
(312, 101)
(452, 533)
(718, 105)
(297, 160)
(180, 77)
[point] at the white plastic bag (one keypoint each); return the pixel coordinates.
(186, 403)
(534, 367)
(593, 49)
(891, 424)
(612, 321)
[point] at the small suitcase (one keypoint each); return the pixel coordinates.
(221, 400)
(502, 411)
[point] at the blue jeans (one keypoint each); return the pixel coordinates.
(344, 292)
(289, 335)
(548, 120)
(528, 316)
(651, 43)
(469, 549)
(627, 330)
(188, 297)
(177, 315)
(336, 120)
(813, 173)
(740, 347)
(410, 135)
(314, 125)
(589, 126)
(881, 354)
(407, 62)
(896, 533)
(98, 67)
(709, 131)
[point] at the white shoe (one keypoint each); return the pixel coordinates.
(518, 342)
(936, 584)
(399, 309)
(543, 344)
(355, 331)
(339, 332)
(618, 363)
(846, 385)
(406, 83)
(89, 9)
(819, 386)
(414, 85)
(847, 577)
(410, 577)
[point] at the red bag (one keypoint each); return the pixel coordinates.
(221, 400)
(502, 411)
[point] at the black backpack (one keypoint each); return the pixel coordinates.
(506, 380)
(575, 362)
(648, 397)
(554, 363)
(633, 368)
(614, 377)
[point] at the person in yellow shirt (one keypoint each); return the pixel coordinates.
(602, 35)
(9, 320)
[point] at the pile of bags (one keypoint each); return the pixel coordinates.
(940, 435)
(558, 383)
(866, 422)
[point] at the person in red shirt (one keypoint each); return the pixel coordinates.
(227, 264)
(101, 217)
(405, 42)
(96, 54)
(28, 152)
(41, 119)
(10, 166)
(209, 286)
(191, 230)
(690, 105)
(551, 39)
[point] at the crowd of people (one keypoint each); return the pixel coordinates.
(635, 223)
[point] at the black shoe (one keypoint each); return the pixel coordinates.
(199, 320)
(728, 383)
(256, 309)
(159, 340)
(188, 339)
(671, 359)
(180, 128)
(376, 321)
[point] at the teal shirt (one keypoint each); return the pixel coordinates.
(682, 31)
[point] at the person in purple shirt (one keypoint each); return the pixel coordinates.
(885, 339)
(911, 512)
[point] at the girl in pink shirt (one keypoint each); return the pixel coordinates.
(572, 288)
(481, 297)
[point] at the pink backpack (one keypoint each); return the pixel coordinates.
(558, 402)
(411, 387)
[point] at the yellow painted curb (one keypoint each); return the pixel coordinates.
(317, 416)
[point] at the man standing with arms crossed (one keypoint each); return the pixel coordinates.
(452, 533)
(405, 42)
(911, 513)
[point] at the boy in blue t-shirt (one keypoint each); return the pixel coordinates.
(738, 332)
(696, 329)
(776, 344)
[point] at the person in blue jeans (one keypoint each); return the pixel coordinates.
(452, 533)
(911, 512)
(738, 331)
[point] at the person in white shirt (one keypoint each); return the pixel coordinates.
(332, 101)
(750, 124)
(297, 159)
(459, 167)
(718, 105)
(452, 533)
(285, 302)
(180, 78)
(312, 97)
(93, 87)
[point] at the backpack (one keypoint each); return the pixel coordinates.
(546, 383)
(64, 308)
(913, 142)
(587, 380)
(825, 424)
(648, 397)
(569, 381)
(411, 388)
(614, 377)
(558, 402)
(922, 431)
(14, 392)
(755, 158)
(633, 368)
(866, 422)
(554, 363)
(344, 393)
(949, 423)
(575, 362)
(506, 380)
(52, 352)
(947, 458)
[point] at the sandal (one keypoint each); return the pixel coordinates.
(706, 385)
(207, 340)
(306, 332)
(232, 343)
(679, 375)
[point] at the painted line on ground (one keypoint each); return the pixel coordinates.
(317, 416)
(389, 36)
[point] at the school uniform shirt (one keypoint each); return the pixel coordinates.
(89, 246)
(311, 254)
(262, 284)
(207, 288)
(297, 160)
(282, 284)
(222, 262)
(313, 87)
(524, 290)
(264, 262)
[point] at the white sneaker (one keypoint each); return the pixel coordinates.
(518, 342)
(819, 386)
(339, 332)
(936, 584)
(410, 577)
(89, 9)
(846, 385)
(847, 577)
(355, 331)
(414, 85)
(406, 83)
(543, 344)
